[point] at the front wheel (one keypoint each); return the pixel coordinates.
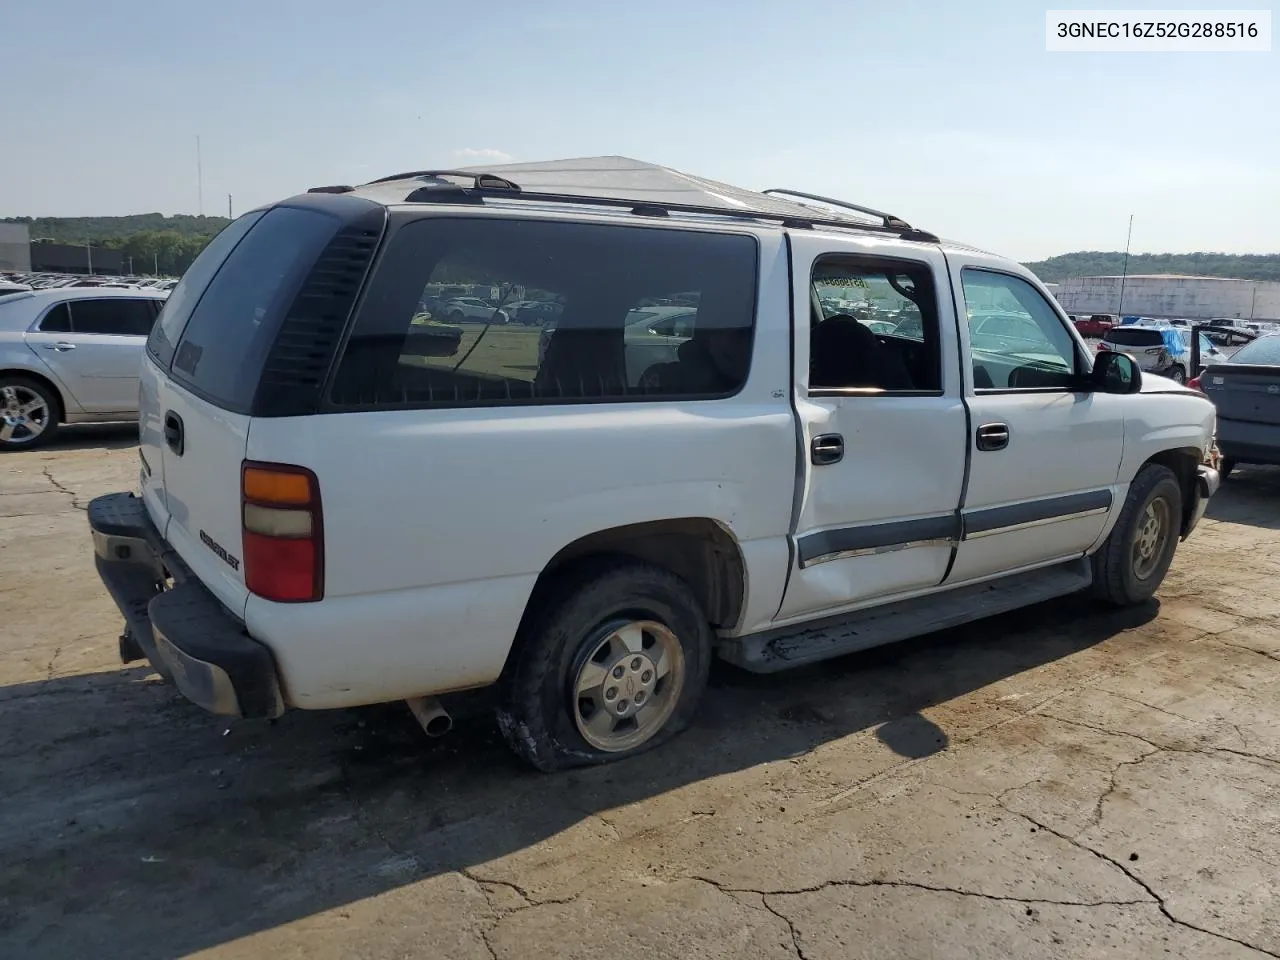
(613, 663)
(1178, 375)
(1133, 561)
(28, 413)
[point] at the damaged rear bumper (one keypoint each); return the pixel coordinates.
(188, 636)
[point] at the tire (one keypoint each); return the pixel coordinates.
(1225, 467)
(1124, 573)
(1178, 375)
(457, 317)
(21, 430)
(595, 609)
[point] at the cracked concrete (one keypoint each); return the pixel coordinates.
(1063, 782)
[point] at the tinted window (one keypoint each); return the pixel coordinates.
(1135, 338)
(1017, 340)
(435, 329)
(1264, 351)
(116, 316)
(874, 326)
(230, 330)
(183, 299)
(57, 320)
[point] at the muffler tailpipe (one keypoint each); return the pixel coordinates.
(433, 718)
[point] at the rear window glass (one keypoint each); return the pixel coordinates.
(184, 297)
(223, 346)
(1135, 338)
(489, 311)
(1263, 351)
(57, 320)
(114, 316)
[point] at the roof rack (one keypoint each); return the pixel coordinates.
(499, 187)
(479, 181)
(888, 218)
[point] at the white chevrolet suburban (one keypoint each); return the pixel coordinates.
(857, 433)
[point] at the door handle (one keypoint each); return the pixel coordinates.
(174, 434)
(826, 449)
(61, 346)
(993, 436)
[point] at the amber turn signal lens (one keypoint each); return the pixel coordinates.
(270, 486)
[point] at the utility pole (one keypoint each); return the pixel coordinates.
(199, 176)
(1125, 272)
(155, 258)
(229, 217)
(88, 253)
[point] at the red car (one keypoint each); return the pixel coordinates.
(1094, 326)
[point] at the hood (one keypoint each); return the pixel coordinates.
(1154, 383)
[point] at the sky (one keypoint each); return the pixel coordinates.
(951, 115)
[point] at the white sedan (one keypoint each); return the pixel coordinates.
(70, 355)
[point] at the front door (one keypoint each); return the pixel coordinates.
(882, 424)
(1044, 452)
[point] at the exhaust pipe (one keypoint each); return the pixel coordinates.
(433, 718)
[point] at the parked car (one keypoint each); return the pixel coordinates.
(463, 309)
(533, 312)
(70, 355)
(1094, 326)
(1164, 350)
(1246, 392)
(784, 487)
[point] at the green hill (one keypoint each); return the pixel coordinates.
(98, 230)
(1092, 263)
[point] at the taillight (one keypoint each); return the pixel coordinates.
(1102, 346)
(1194, 383)
(282, 531)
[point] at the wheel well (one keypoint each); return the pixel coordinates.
(697, 550)
(1184, 463)
(45, 382)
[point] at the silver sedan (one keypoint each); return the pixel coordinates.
(70, 355)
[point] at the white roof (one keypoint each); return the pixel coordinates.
(622, 178)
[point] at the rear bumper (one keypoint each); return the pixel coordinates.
(184, 631)
(1207, 480)
(1249, 442)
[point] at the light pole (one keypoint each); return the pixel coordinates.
(1124, 272)
(88, 253)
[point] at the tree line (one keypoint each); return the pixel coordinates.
(152, 242)
(1092, 263)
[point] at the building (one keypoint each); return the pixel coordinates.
(15, 247)
(48, 257)
(1170, 295)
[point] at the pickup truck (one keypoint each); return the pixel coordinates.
(330, 512)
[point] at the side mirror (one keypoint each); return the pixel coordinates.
(1115, 373)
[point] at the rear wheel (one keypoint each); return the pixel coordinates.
(614, 663)
(456, 317)
(1133, 561)
(28, 413)
(1178, 375)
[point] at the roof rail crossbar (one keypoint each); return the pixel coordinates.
(480, 181)
(889, 219)
(651, 208)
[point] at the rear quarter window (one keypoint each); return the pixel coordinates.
(235, 318)
(631, 313)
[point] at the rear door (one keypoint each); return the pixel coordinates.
(95, 346)
(211, 345)
(882, 423)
